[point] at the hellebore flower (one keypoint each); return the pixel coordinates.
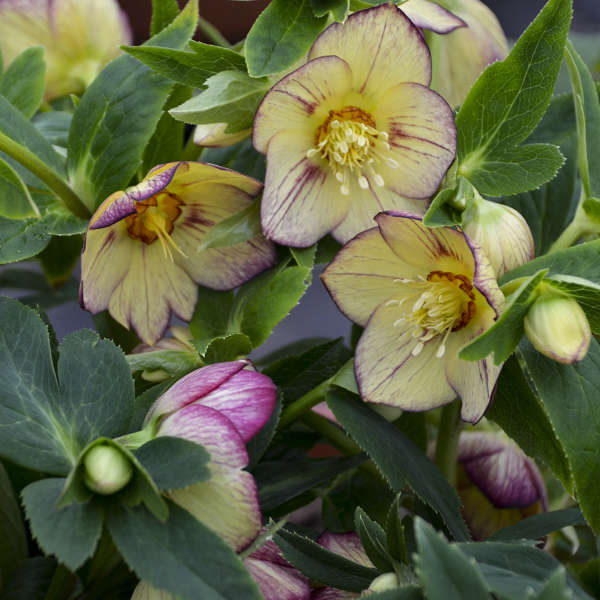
(421, 295)
(557, 326)
(222, 406)
(498, 484)
(79, 37)
(353, 132)
(502, 233)
(464, 53)
(141, 259)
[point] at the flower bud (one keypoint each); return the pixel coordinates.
(106, 469)
(502, 233)
(498, 484)
(213, 135)
(383, 583)
(465, 52)
(557, 327)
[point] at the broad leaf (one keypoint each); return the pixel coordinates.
(373, 539)
(538, 526)
(163, 12)
(31, 580)
(54, 126)
(171, 362)
(555, 587)
(23, 82)
(238, 228)
(15, 200)
(211, 317)
(228, 347)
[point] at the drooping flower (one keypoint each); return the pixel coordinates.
(498, 484)
(557, 326)
(79, 37)
(421, 295)
(353, 132)
(141, 260)
(222, 406)
(466, 52)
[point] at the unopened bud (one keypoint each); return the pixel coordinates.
(502, 233)
(106, 469)
(558, 328)
(214, 135)
(385, 582)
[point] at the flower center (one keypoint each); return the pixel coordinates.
(155, 220)
(443, 302)
(352, 145)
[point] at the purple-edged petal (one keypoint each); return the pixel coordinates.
(347, 545)
(422, 138)
(302, 99)
(194, 386)
(388, 373)
(364, 274)
(302, 200)
(247, 399)
(430, 15)
(278, 582)
(382, 47)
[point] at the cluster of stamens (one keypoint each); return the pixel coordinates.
(155, 220)
(442, 303)
(352, 145)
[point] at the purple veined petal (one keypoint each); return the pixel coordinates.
(382, 47)
(302, 100)
(347, 545)
(156, 181)
(194, 386)
(247, 399)
(430, 15)
(387, 371)
(278, 582)
(302, 200)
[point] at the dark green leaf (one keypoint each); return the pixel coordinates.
(163, 12)
(117, 116)
(238, 228)
(23, 82)
(144, 401)
(227, 347)
(398, 459)
(408, 592)
(258, 445)
(181, 556)
(338, 8)
(31, 579)
(373, 539)
(15, 199)
(395, 531)
(445, 572)
(174, 463)
(70, 533)
(504, 335)
(322, 565)
(59, 257)
(281, 35)
(211, 317)
(538, 526)
(555, 587)
(241, 157)
(189, 68)
(54, 126)
(172, 362)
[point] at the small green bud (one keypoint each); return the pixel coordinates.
(385, 582)
(106, 469)
(558, 328)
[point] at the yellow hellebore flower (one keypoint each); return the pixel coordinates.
(79, 37)
(421, 294)
(354, 131)
(141, 260)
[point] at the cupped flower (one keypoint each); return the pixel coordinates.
(352, 132)
(502, 233)
(141, 260)
(498, 484)
(421, 294)
(79, 38)
(466, 52)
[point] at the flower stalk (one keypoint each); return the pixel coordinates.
(446, 449)
(301, 406)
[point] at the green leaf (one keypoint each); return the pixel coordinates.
(189, 68)
(144, 401)
(54, 126)
(241, 157)
(258, 445)
(117, 116)
(13, 549)
(15, 199)
(507, 102)
(441, 212)
(398, 459)
(182, 556)
(227, 347)
(504, 335)
(173, 362)
(338, 8)
(281, 35)
(231, 97)
(538, 526)
(555, 587)
(59, 258)
(569, 394)
(521, 413)
(240, 227)
(373, 539)
(211, 317)
(31, 580)
(23, 82)
(173, 462)
(446, 573)
(587, 294)
(396, 531)
(163, 12)
(305, 257)
(70, 533)
(322, 565)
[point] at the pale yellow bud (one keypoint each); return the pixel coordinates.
(107, 470)
(213, 135)
(558, 328)
(383, 583)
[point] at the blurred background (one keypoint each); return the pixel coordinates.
(316, 315)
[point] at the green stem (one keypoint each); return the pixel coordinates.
(30, 161)
(62, 584)
(191, 151)
(297, 408)
(212, 33)
(446, 450)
